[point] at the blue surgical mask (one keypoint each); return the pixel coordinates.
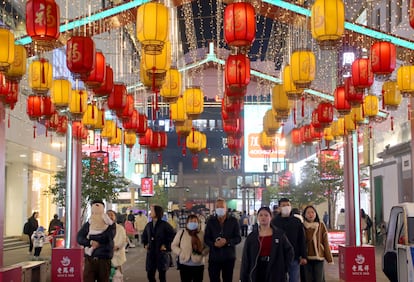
(220, 211)
(192, 225)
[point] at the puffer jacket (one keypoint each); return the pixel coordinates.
(181, 246)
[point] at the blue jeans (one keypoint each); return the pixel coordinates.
(294, 274)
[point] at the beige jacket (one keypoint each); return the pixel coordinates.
(184, 249)
(140, 222)
(317, 239)
(120, 241)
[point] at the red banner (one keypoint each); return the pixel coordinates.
(336, 238)
(357, 264)
(67, 264)
(147, 187)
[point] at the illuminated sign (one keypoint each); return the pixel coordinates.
(147, 187)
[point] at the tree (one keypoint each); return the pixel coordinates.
(100, 181)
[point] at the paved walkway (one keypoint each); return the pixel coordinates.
(134, 269)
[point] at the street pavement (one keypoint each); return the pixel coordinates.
(134, 268)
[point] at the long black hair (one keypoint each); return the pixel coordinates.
(159, 211)
(316, 213)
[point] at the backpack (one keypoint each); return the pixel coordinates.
(369, 222)
(26, 228)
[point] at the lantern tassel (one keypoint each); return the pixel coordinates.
(392, 123)
(80, 101)
(383, 100)
(409, 111)
(34, 131)
(294, 115)
(195, 161)
(370, 132)
(8, 120)
(42, 61)
(303, 106)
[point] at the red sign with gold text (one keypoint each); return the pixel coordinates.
(336, 238)
(357, 264)
(67, 264)
(147, 187)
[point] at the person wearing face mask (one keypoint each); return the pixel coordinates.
(296, 235)
(222, 234)
(188, 245)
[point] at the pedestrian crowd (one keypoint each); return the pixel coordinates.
(282, 244)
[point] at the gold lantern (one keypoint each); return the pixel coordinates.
(60, 92)
(357, 114)
(109, 129)
(171, 89)
(18, 68)
(196, 141)
(185, 128)
(338, 127)
(327, 22)
(350, 124)
(371, 106)
(291, 91)
(7, 48)
(280, 102)
(391, 95)
(194, 101)
(152, 26)
(302, 68)
(147, 80)
(40, 76)
(270, 124)
(100, 122)
(90, 117)
(157, 65)
(78, 101)
(405, 80)
(178, 111)
(117, 139)
(130, 138)
(266, 141)
(327, 134)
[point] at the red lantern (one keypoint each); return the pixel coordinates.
(383, 59)
(145, 139)
(96, 77)
(354, 96)
(11, 98)
(48, 107)
(239, 24)
(108, 85)
(80, 55)
(34, 107)
(307, 134)
(158, 141)
(362, 76)
(79, 131)
(5, 86)
(126, 112)
(237, 72)
(235, 144)
(62, 126)
(42, 20)
(118, 98)
(297, 136)
(142, 124)
(315, 119)
(53, 122)
(325, 113)
(341, 104)
(131, 123)
(231, 108)
(233, 126)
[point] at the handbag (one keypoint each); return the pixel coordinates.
(178, 256)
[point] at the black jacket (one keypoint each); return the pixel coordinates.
(105, 240)
(294, 232)
(34, 224)
(153, 238)
(230, 230)
(281, 256)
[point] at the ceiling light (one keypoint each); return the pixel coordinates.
(23, 155)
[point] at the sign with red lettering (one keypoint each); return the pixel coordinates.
(67, 264)
(147, 187)
(357, 264)
(336, 238)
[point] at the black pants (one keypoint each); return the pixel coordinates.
(226, 268)
(30, 242)
(244, 230)
(37, 251)
(96, 269)
(151, 275)
(191, 273)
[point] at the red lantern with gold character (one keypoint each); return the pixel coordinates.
(297, 136)
(383, 59)
(42, 20)
(118, 98)
(239, 24)
(5, 86)
(237, 72)
(325, 113)
(97, 76)
(11, 98)
(341, 104)
(48, 107)
(34, 107)
(126, 112)
(107, 86)
(353, 95)
(362, 75)
(80, 55)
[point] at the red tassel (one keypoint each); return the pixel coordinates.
(184, 151)
(80, 101)
(392, 123)
(383, 100)
(156, 100)
(153, 79)
(282, 134)
(93, 110)
(34, 131)
(370, 132)
(303, 106)
(195, 161)
(46, 133)
(193, 134)
(363, 111)
(8, 120)
(42, 61)
(51, 138)
(294, 115)
(409, 111)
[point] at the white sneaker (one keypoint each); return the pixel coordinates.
(131, 245)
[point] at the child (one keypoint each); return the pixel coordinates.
(39, 238)
(98, 222)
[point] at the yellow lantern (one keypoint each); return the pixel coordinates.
(405, 80)
(185, 128)
(177, 111)
(371, 106)
(130, 138)
(171, 89)
(338, 127)
(78, 102)
(18, 68)
(349, 123)
(147, 80)
(280, 102)
(100, 122)
(196, 141)
(90, 117)
(194, 101)
(266, 141)
(157, 65)
(391, 95)
(109, 129)
(357, 114)
(60, 92)
(152, 26)
(327, 22)
(270, 125)
(7, 48)
(327, 134)
(302, 68)
(117, 139)
(40, 76)
(291, 91)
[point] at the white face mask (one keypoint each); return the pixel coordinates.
(285, 211)
(220, 212)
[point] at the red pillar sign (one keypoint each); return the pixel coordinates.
(67, 264)
(357, 264)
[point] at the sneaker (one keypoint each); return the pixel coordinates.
(131, 245)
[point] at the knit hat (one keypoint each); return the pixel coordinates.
(41, 229)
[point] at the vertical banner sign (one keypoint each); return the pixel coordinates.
(147, 187)
(67, 264)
